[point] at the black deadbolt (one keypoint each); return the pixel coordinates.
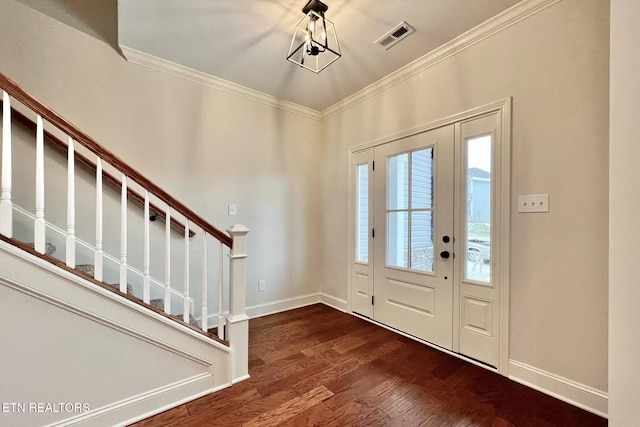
(446, 239)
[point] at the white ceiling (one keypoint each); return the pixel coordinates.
(246, 41)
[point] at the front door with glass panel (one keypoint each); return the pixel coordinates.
(431, 234)
(413, 245)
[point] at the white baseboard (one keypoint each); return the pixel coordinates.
(278, 306)
(574, 393)
(242, 378)
(334, 302)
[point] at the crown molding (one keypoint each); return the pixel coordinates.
(141, 58)
(492, 26)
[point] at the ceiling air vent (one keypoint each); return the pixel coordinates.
(397, 33)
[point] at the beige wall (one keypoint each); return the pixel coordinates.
(288, 174)
(555, 66)
(624, 215)
(206, 147)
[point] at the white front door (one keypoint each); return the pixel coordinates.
(430, 214)
(413, 244)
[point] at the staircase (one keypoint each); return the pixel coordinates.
(109, 299)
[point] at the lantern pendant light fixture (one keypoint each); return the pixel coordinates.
(315, 43)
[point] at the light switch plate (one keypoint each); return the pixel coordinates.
(232, 210)
(533, 203)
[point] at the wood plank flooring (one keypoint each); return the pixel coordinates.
(318, 366)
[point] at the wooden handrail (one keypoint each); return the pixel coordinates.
(90, 144)
(60, 146)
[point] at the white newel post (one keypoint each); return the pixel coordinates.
(6, 208)
(237, 319)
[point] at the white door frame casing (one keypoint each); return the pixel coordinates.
(502, 214)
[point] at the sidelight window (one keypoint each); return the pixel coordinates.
(478, 209)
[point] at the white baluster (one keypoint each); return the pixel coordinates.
(167, 262)
(6, 207)
(98, 264)
(205, 311)
(71, 205)
(39, 225)
(146, 281)
(221, 320)
(123, 235)
(185, 314)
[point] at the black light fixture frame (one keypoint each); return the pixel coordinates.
(314, 47)
(315, 5)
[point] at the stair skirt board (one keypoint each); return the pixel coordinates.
(40, 289)
(195, 349)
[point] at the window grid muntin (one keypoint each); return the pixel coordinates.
(408, 258)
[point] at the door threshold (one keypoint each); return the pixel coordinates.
(432, 345)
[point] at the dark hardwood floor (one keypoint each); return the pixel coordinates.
(318, 366)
